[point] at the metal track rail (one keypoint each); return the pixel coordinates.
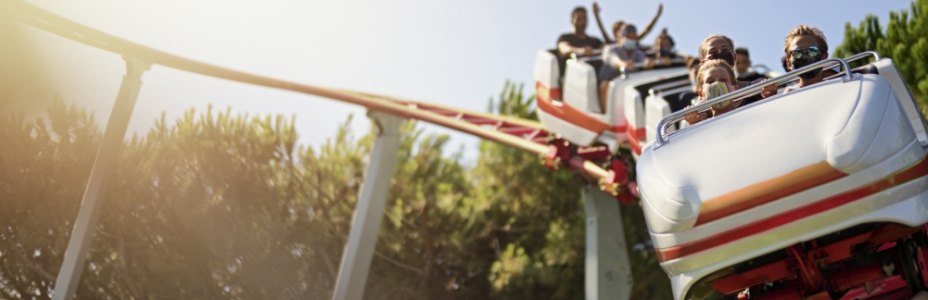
(520, 133)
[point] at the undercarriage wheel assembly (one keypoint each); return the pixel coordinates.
(908, 262)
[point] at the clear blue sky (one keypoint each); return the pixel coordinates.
(457, 53)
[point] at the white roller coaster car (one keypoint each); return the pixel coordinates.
(635, 102)
(574, 113)
(820, 193)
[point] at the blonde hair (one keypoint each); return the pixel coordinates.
(802, 30)
(709, 65)
(704, 47)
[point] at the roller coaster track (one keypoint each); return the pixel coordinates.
(607, 273)
(520, 133)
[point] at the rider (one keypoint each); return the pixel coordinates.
(688, 96)
(623, 57)
(712, 72)
(743, 66)
(804, 46)
(663, 50)
(577, 41)
(720, 47)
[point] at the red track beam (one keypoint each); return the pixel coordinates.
(44, 20)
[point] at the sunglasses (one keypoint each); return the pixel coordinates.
(812, 51)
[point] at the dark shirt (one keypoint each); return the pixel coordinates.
(679, 101)
(755, 97)
(751, 99)
(576, 41)
(686, 99)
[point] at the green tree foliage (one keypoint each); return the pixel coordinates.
(535, 216)
(218, 206)
(43, 169)
(905, 41)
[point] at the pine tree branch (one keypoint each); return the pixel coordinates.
(398, 264)
(33, 266)
(328, 263)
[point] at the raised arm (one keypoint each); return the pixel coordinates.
(599, 22)
(647, 29)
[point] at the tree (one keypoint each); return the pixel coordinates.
(905, 41)
(218, 206)
(43, 170)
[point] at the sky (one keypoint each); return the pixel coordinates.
(457, 53)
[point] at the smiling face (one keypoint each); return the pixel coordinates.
(578, 19)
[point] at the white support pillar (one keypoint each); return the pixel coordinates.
(69, 276)
(356, 260)
(608, 271)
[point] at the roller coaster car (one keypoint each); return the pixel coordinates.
(664, 99)
(820, 193)
(574, 113)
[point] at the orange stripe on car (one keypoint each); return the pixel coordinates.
(767, 191)
(910, 173)
(565, 112)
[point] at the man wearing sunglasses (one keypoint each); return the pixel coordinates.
(804, 46)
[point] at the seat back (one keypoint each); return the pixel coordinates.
(659, 105)
(634, 118)
(886, 69)
(655, 111)
(581, 89)
(547, 74)
(632, 92)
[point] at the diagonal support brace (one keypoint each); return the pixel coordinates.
(107, 157)
(368, 213)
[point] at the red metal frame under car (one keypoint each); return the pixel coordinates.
(801, 276)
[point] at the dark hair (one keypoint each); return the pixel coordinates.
(742, 51)
(664, 35)
(627, 27)
(576, 10)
